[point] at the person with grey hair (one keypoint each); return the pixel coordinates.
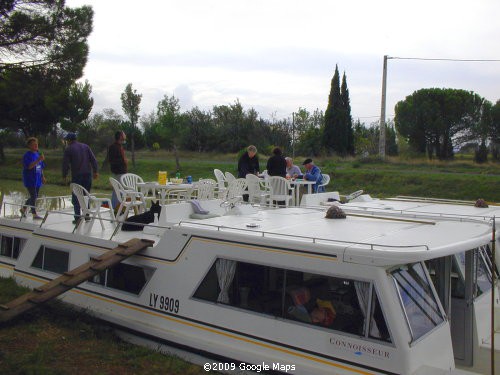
(249, 162)
(291, 169)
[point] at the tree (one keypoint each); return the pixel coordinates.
(43, 32)
(338, 132)
(432, 119)
(170, 121)
(43, 50)
(35, 100)
(347, 130)
(332, 114)
(78, 105)
(494, 131)
(130, 105)
(197, 133)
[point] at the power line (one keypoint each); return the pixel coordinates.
(439, 59)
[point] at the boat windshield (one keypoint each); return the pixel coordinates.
(420, 305)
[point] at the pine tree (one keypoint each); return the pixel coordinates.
(347, 119)
(332, 118)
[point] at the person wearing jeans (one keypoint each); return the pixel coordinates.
(81, 160)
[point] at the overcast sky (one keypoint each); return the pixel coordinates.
(279, 55)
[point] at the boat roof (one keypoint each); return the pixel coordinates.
(370, 239)
(423, 207)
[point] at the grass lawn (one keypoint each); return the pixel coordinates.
(55, 339)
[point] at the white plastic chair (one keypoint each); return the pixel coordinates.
(236, 189)
(90, 205)
(257, 191)
(128, 200)
(129, 181)
(280, 190)
(221, 183)
(229, 177)
(205, 189)
(324, 181)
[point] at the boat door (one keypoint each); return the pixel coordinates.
(453, 281)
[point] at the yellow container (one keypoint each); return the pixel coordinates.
(162, 177)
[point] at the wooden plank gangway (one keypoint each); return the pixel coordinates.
(72, 278)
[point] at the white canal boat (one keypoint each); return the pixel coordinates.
(285, 289)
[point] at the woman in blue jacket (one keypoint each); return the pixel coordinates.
(33, 178)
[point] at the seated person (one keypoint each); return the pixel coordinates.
(291, 169)
(313, 173)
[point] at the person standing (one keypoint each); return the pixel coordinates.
(249, 162)
(81, 160)
(33, 178)
(313, 173)
(276, 164)
(117, 161)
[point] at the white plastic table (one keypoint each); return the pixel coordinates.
(298, 184)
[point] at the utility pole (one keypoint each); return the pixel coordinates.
(381, 143)
(293, 135)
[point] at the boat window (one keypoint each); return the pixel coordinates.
(52, 260)
(482, 263)
(481, 268)
(324, 301)
(11, 246)
(457, 281)
(419, 303)
(125, 277)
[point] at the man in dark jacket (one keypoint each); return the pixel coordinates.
(249, 162)
(276, 164)
(81, 160)
(117, 161)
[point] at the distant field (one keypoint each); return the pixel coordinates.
(459, 179)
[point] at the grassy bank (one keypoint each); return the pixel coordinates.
(459, 179)
(55, 339)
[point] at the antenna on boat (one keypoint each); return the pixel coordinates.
(493, 275)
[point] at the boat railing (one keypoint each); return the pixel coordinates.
(417, 214)
(287, 236)
(16, 201)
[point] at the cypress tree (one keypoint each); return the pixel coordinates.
(348, 133)
(330, 130)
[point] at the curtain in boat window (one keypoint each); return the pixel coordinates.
(363, 292)
(225, 274)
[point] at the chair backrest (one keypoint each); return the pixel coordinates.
(221, 179)
(82, 195)
(254, 188)
(229, 177)
(278, 186)
(325, 179)
(130, 180)
(118, 188)
(205, 189)
(211, 180)
(236, 189)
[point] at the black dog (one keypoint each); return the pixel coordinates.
(141, 219)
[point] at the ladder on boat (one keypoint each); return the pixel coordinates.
(71, 279)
